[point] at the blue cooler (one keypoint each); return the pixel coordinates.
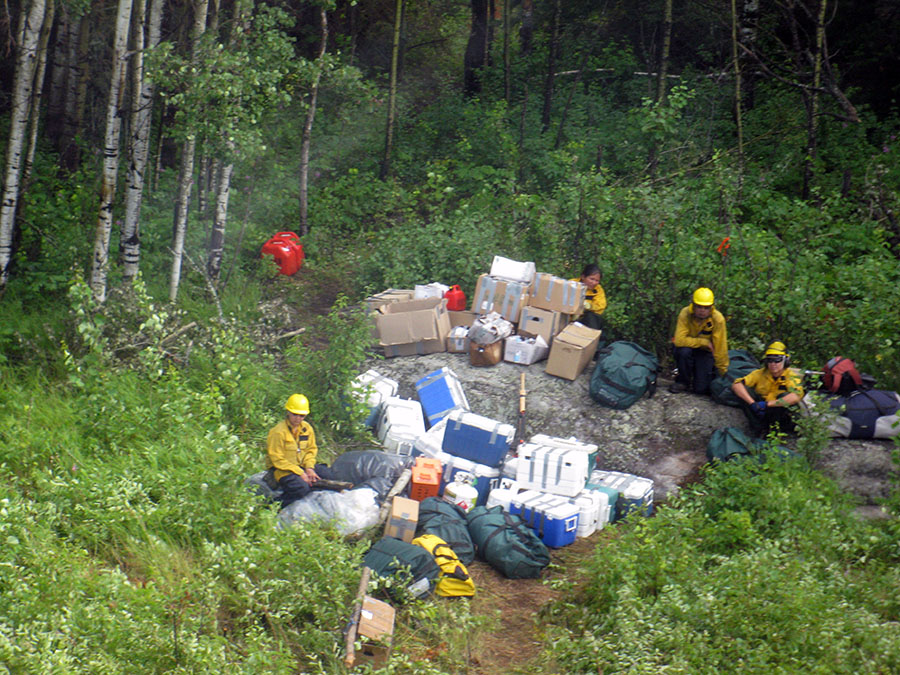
(440, 392)
(553, 518)
(479, 439)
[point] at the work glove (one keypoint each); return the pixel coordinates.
(759, 407)
(587, 304)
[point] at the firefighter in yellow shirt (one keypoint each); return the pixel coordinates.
(594, 298)
(291, 451)
(700, 344)
(769, 393)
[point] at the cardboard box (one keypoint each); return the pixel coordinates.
(458, 340)
(534, 321)
(572, 350)
(507, 298)
(485, 355)
(560, 295)
(524, 350)
(401, 524)
(375, 631)
(413, 327)
(512, 270)
(373, 302)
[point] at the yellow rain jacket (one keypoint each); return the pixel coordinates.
(291, 451)
(773, 388)
(594, 298)
(698, 333)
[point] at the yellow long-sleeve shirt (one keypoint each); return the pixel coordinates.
(291, 451)
(773, 388)
(594, 298)
(699, 333)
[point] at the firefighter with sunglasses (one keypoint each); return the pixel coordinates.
(771, 392)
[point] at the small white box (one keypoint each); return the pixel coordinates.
(512, 270)
(559, 471)
(524, 350)
(432, 290)
(430, 443)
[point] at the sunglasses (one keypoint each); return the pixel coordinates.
(774, 359)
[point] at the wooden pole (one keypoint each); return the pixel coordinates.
(353, 626)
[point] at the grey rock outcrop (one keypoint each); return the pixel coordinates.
(663, 437)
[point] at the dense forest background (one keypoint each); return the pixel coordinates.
(150, 149)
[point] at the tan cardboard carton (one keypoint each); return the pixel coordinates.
(547, 323)
(401, 524)
(572, 349)
(461, 318)
(507, 298)
(375, 631)
(560, 295)
(413, 327)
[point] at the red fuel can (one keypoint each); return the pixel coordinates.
(286, 249)
(456, 299)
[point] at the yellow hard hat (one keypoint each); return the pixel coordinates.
(297, 404)
(703, 297)
(777, 348)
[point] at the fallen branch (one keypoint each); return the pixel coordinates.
(353, 626)
(290, 333)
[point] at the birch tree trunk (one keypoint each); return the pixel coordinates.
(100, 267)
(57, 90)
(392, 95)
(187, 165)
(216, 247)
(146, 35)
(76, 91)
(307, 129)
(28, 34)
(40, 70)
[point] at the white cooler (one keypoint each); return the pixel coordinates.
(400, 412)
(512, 270)
(374, 389)
(559, 471)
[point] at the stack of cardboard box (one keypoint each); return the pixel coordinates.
(544, 307)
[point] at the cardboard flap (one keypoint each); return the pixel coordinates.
(578, 335)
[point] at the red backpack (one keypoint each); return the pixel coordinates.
(841, 376)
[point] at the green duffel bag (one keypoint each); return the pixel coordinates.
(625, 371)
(413, 565)
(448, 522)
(506, 543)
(731, 443)
(740, 363)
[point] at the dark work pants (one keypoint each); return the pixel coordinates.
(776, 417)
(696, 368)
(295, 488)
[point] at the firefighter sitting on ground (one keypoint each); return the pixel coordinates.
(291, 452)
(700, 344)
(769, 393)
(594, 297)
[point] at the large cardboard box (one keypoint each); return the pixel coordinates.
(375, 631)
(572, 350)
(534, 321)
(413, 327)
(401, 524)
(507, 298)
(560, 295)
